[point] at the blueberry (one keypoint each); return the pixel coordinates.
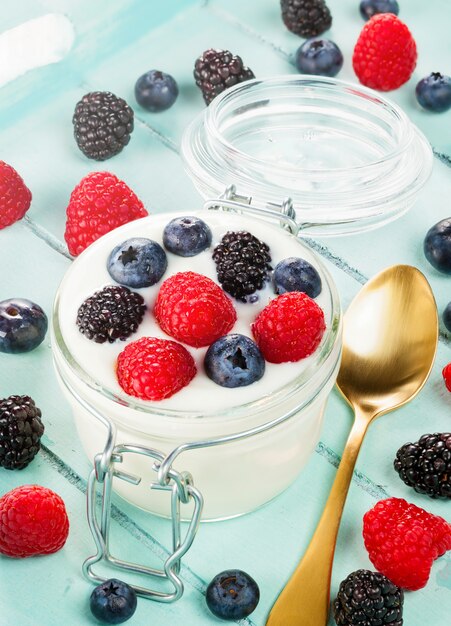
(234, 361)
(368, 8)
(137, 262)
(434, 92)
(113, 602)
(437, 246)
(295, 274)
(232, 595)
(187, 236)
(319, 56)
(156, 91)
(447, 316)
(23, 325)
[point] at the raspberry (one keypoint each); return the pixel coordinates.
(98, 204)
(193, 309)
(154, 369)
(33, 521)
(446, 373)
(385, 54)
(403, 541)
(15, 197)
(289, 328)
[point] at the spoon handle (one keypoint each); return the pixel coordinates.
(305, 599)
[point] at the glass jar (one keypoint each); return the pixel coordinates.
(240, 456)
(349, 159)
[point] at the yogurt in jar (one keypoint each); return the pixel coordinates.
(233, 477)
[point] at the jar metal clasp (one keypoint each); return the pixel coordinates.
(283, 213)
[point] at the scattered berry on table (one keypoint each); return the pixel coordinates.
(403, 541)
(289, 328)
(446, 373)
(15, 197)
(319, 56)
(368, 598)
(294, 274)
(368, 8)
(23, 325)
(437, 246)
(434, 92)
(234, 361)
(187, 236)
(385, 54)
(216, 70)
(426, 465)
(156, 91)
(232, 595)
(103, 124)
(110, 314)
(33, 521)
(113, 601)
(307, 18)
(21, 430)
(447, 316)
(154, 369)
(98, 204)
(137, 263)
(193, 309)
(242, 263)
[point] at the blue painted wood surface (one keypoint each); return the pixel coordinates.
(116, 41)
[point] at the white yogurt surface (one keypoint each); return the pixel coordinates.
(89, 274)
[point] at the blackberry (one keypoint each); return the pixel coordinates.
(242, 264)
(426, 465)
(307, 18)
(216, 70)
(368, 599)
(110, 314)
(21, 430)
(102, 124)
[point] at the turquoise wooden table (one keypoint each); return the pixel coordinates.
(115, 42)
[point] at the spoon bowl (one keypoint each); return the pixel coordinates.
(390, 336)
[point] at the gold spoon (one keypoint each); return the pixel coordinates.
(389, 341)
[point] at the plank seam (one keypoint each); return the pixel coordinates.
(166, 141)
(441, 156)
(248, 30)
(46, 236)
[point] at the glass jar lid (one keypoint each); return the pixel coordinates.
(348, 158)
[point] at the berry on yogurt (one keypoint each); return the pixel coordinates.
(234, 361)
(23, 325)
(137, 262)
(289, 328)
(153, 369)
(193, 309)
(295, 274)
(156, 91)
(187, 236)
(319, 56)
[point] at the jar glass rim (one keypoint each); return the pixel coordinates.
(213, 113)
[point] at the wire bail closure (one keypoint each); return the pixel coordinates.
(283, 213)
